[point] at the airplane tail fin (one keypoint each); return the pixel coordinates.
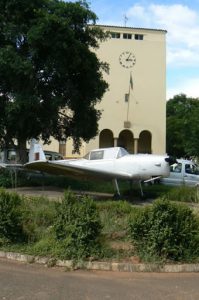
(36, 152)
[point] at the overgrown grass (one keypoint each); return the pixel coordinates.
(39, 219)
(183, 194)
(38, 216)
(114, 216)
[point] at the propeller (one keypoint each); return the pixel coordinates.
(171, 160)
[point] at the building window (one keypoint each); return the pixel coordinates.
(127, 36)
(139, 37)
(115, 35)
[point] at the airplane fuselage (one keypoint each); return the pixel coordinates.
(127, 167)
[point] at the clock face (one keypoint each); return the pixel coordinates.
(127, 59)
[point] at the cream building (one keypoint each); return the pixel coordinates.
(134, 107)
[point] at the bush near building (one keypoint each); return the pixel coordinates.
(78, 227)
(11, 218)
(70, 229)
(166, 230)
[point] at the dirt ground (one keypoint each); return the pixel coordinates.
(50, 192)
(54, 192)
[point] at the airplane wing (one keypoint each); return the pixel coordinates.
(70, 170)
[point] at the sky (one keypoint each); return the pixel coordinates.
(179, 18)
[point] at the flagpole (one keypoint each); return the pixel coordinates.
(130, 87)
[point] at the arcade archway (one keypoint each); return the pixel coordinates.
(144, 144)
(126, 141)
(106, 138)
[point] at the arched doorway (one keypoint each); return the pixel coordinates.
(125, 140)
(144, 144)
(106, 138)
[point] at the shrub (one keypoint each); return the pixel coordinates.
(166, 230)
(5, 179)
(11, 220)
(78, 227)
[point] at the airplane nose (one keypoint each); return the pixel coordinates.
(171, 160)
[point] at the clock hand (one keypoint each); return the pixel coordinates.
(128, 58)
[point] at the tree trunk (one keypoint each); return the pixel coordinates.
(23, 154)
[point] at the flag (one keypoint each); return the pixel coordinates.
(126, 97)
(131, 81)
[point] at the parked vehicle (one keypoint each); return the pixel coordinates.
(184, 172)
(11, 156)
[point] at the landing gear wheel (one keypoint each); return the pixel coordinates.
(117, 196)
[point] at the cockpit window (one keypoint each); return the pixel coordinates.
(108, 153)
(97, 155)
(122, 152)
(94, 155)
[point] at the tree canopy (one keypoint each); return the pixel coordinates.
(183, 126)
(50, 77)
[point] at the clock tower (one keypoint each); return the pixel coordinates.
(134, 107)
(133, 110)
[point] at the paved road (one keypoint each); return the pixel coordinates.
(33, 282)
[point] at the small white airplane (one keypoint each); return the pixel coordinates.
(106, 163)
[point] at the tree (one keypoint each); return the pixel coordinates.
(183, 126)
(50, 77)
